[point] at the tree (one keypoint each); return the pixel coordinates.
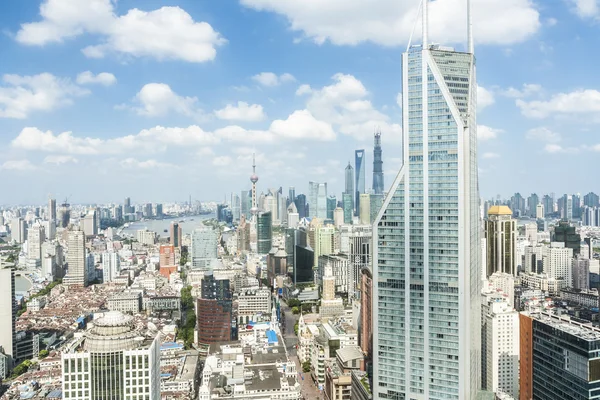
(306, 366)
(294, 303)
(43, 354)
(295, 310)
(296, 328)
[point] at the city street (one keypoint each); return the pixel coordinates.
(309, 390)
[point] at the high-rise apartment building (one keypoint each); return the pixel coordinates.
(359, 178)
(591, 200)
(566, 233)
(377, 165)
(518, 204)
(426, 266)
(548, 202)
(18, 230)
(8, 316)
(114, 361)
(501, 241)
(532, 202)
(556, 260)
(364, 212)
(36, 236)
(500, 346)
(300, 203)
(204, 247)
(76, 261)
(111, 265)
(90, 222)
(539, 211)
(127, 209)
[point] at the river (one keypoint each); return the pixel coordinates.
(159, 225)
(22, 285)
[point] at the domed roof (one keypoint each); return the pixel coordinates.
(113, 318)
(254, 178)
(499, 210)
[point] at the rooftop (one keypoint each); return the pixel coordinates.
(568, 325)
(499, 210)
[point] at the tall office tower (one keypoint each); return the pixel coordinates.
(8, 316)
(331, 205)
(548, 203)
(500, 345)
(36, 236)
(117, 213)
(64, 214)
(147, 212)
(377, 166)
(176, 234)
(264, 232)
(246, 203)
(567, 208)
(356, 241)
(292, 195)
(517, 204)
(52, 210)
(127, 206)
(18, 231)
(215, 310)
(558, 358)
(566, 233)
(359, 178)
(532, 201)
(283, 201)
(349, 187)
(364, 212)
(427, 318)
(556, 260)
(204, 247)
(113, 361)
(338, 217)
(77, 275)
(501, 241)
(539, 211)
(111, 265)
(236, 206)
(317, 200)
(90, 223)
(300, 202)
(576, 206)
(591, 200)
(159, 210)
(348, 202)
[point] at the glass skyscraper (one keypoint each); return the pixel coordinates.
(359, 177)
(426, 257)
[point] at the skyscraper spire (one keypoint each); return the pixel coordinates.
(425, 23)
(377, 164)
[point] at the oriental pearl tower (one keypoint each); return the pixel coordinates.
(254, 179)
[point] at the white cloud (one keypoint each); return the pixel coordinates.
(22, 95)
(132, 163)
(222, 161)
(242, 112)
(553, 148)
(271, 79)
(390, 22)
(489, 155)
(543, 134)
(345, 105)
(399, 99)
(302, 125)
(485, 132)
(586, 8)
(103, 78)
(59, 160)
(577, 102)
(165, 33)
(527, 90)
(158, 100)
(17, 165)
(485, 98)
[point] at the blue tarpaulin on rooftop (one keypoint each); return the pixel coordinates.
(271, 336)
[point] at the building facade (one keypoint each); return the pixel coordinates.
(427, 255)
(501, 241)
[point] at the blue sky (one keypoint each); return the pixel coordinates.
(158, 100)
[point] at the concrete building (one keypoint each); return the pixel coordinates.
(338, 217)
(111, 266)
(112, 361)
(580, 268)
(214, 311)
(77, 274)
(254, 304)
(90, 222)
(166, 255)
(356, 241)
(559, 358)
(36, 235)
(533, 259)
(317, 200)
(364, 212)
(556, 260)
(338, 267)
(8, 316)
(539, 211)
(18, 230)
(146, 237)
(542, 282)
(264, 232)
(129, 302)
(501, 241)
(365, 328)
(338, 377)
(500, 345)
(349, 191)
(204, 247)
(176, 234)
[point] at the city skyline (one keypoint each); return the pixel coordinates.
(195, 115)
